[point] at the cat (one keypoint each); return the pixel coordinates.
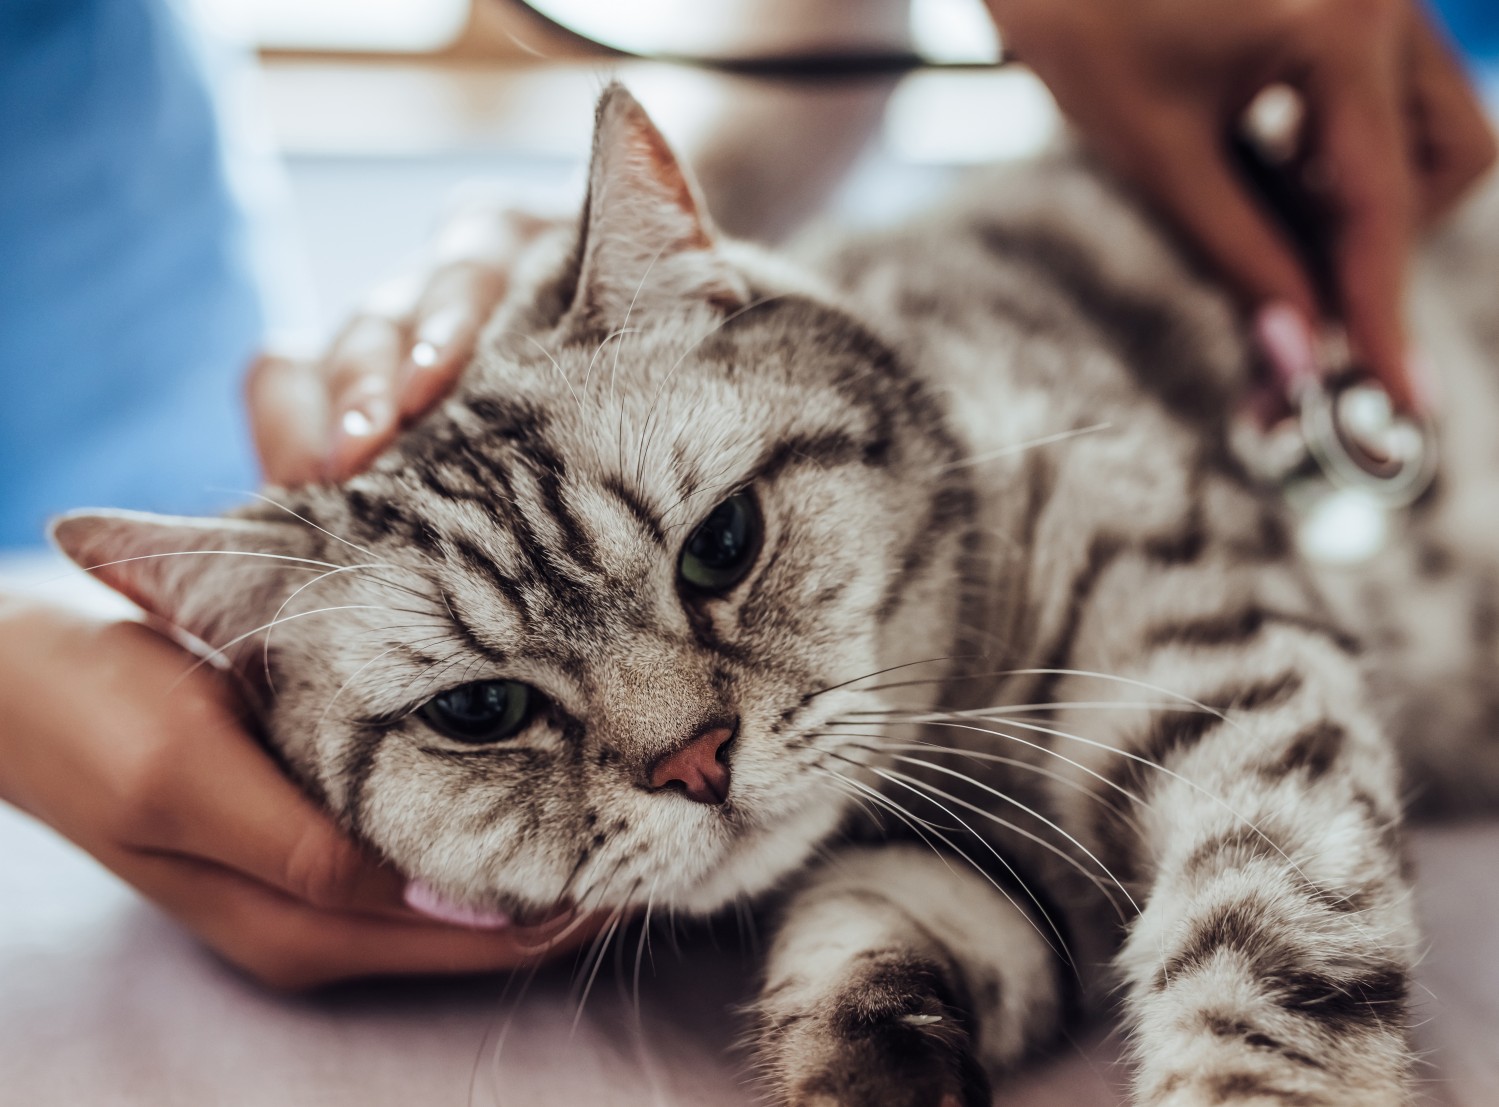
(906, 586)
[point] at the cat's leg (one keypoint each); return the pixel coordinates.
(897, 978)
(1251, 802)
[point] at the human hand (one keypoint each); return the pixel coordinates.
(116, 740)
(326, 419)
(1395, 135)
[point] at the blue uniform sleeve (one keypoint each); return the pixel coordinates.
(127, 305)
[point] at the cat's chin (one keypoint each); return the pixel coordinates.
(761, 857)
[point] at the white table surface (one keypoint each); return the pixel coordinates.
(105, 1001)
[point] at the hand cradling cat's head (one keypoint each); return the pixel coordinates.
(577, 637)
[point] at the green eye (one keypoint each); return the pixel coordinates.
(484, 711)
(723, 547)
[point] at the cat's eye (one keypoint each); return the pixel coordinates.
(484, 711)
(723, 547)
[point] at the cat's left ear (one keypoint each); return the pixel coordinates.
(647, 238)
(215, 579)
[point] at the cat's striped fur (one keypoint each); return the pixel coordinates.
(1021, 628)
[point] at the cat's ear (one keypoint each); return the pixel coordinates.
(212, 578)
(646, 236)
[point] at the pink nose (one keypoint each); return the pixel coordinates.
(700, 767)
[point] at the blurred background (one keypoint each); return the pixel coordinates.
(186, 180)
(381, 112)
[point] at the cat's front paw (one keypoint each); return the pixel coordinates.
(892, 1036)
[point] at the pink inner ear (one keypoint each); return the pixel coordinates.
(106, 547)
(666, 171)
(149, 559)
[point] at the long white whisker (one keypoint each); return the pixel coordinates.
(1024, 833)
(266, 645)
(1063, 952)
(890, 748)
(1171, 773)
(1022, 447)
(918, 745)
(555, 365)
(337, 538)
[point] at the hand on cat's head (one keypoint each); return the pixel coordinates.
(326, 418)
(119, 742)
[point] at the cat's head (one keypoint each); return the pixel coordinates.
(579, 635)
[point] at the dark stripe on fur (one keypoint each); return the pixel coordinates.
(637, 507)
(365, 742)
(1235, 627)
(1147, 333)
(480, 564)
(1235, 1087)
(1313, 751)
(951, 506)
(1172, 734)
(1225, 1027)
(1231, 848)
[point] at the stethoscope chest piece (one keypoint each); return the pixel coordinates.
(1347, 465)
(1359, 441)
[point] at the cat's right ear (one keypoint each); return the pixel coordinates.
(215, 579)
(647, 239)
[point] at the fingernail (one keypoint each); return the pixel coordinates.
(1286, 339)
(435, 334)
(365, 412)
(365, 415)
(422, 898)
(1426, 385)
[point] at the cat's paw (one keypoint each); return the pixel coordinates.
(892, 1036)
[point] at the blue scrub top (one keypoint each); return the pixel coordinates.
(1474, 25)
(127, 306)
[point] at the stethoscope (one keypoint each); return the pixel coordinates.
(1350, 436)
(1357, 441)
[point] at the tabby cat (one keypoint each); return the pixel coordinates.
(907, 586)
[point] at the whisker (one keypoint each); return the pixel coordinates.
(887, 802)
(920, 746)
(603, 949)
(808, 697)
(1021, 447)
(1245, 821)
(1006, 710)
(302, 518)
(298, 561)
(1018, 830)
(555, 365)
(588, 374)
(1005, 823)
(266, 645)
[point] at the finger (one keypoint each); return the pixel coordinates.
(1183, 165)
(361, 372)
(456, 304)
(216, 795)
(287, 944)
(1361, 140)
(1453, 142)
(288, 418)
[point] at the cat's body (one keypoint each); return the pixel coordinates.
(983, 464)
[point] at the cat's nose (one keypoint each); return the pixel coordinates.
(699, 768)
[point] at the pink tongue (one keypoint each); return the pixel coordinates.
(426, 900)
